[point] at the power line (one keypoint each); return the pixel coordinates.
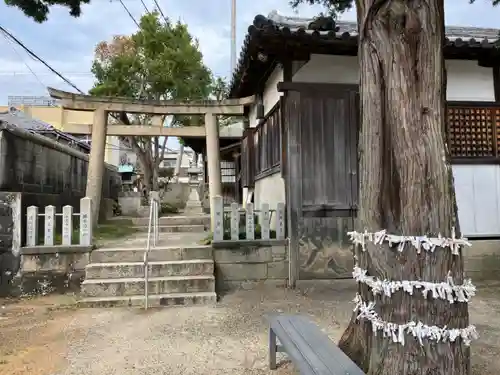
(128, 12)
(84, 74)
(22, 59)
(34, 55)
(145, 7)
(161, 12)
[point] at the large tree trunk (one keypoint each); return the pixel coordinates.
(406, 184)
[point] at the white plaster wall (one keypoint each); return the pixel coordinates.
(270, 189)
(270, 96)
(477, 189)
(112, 151)
(466, 80)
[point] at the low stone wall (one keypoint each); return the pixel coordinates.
(52, 269)
(238, 262)
(482, 260)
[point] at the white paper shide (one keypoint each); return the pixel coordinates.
(419, 243)
(444, 290)
(396, 332)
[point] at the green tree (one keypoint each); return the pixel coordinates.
(160, 61)
(220, 91)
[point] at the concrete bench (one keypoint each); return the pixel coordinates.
(309, 349)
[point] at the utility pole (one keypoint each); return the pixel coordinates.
(233, 36)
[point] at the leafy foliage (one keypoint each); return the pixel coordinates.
(159, 61)
(220, 91)
(39, 9)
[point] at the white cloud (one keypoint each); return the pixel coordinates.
(68, 44)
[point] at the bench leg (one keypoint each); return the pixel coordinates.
(272, 349)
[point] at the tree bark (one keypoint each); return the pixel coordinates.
(406, 184)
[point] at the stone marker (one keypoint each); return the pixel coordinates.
(264, 221)
(235, 221)
(280, 221)
(86, 221)
(67, 225)
(218, 207)
(249, 220)
(50, 220)
(32, 226)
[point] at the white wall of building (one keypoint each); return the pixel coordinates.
(477, 187)
(112, 151)
(271, 95)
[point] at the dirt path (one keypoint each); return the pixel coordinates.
(34, 335)
(37, 339)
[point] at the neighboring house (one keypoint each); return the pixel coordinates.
(24, 121)
(301, 145)
(48, 111)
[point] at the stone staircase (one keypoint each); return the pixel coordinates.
(178, 275)
(174, 224)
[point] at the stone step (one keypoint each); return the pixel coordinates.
(173, 228)
(118, 270)
(156, 254)
(155, 300)
(157, 285)
(169, 220)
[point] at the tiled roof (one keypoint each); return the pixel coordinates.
(323, 30)
(453, 33)
(22, 120)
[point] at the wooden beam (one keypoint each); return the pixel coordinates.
(139, 130)
(79, 102)
(496, 82)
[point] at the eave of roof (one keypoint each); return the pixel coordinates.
(276, 36)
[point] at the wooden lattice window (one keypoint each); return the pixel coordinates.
(496, 119)
(471, 131)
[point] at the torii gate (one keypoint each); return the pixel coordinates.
(100, 129)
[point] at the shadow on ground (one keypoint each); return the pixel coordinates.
(46, 336)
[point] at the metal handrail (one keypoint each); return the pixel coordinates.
(152, 226)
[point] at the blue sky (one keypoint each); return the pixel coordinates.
(68, 44)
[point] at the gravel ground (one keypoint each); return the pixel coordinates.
(231, 338)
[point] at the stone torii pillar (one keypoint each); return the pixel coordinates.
(96, 161)
(100, 129)
(213, 161)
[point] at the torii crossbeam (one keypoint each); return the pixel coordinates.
(100, 128)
